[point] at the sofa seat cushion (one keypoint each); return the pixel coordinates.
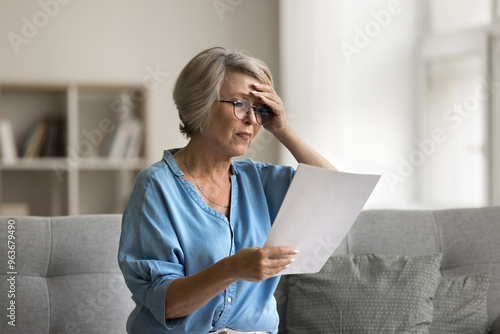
(365, 294)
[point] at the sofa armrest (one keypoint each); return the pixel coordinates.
(495, 326)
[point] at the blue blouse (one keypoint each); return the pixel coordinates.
(168, 231)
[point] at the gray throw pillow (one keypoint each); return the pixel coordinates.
(460, 305)
(365, 294)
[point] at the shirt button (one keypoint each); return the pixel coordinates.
(229, 299)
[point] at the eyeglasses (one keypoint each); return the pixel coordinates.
(241, 109)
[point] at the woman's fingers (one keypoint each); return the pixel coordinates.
(271, 101)
(278, 257)
(266, 91)
(281, 256)
(276, 252)
(284, 263)
(258, 264)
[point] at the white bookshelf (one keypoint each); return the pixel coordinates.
(85, 179)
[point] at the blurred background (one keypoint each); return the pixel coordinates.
(405, 89)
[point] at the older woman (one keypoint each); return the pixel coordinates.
(190, 248)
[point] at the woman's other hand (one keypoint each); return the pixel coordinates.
(258, 264)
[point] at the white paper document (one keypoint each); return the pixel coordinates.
(319, 209)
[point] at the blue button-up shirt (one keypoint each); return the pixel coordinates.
(168, 231)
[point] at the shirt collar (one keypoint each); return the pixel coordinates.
(169, 159)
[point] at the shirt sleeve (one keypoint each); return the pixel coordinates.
(150, 256)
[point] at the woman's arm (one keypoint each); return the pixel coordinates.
(301, 151)
(187, 294)
(280, 128)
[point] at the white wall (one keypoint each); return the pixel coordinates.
(360, 114)
(116, 41)
(357, 106)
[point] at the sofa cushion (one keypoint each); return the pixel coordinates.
(67, 278)
(460, 305)
(365, 294)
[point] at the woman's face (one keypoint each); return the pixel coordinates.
(230, 135)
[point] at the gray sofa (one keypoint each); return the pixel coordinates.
(66, 278)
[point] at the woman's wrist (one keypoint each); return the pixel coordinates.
(281, 133)
(228, 268)
(286, 135)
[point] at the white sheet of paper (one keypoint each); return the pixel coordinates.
(320, 207)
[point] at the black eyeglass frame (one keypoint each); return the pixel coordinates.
(255, 110)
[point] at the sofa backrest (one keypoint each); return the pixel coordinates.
(469, 240)
(66, 277)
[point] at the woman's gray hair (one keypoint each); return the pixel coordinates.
(198, 85)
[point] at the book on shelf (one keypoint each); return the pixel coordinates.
(45, 139)
(127, 141)
(135, 140)
(55, 143)
(36, 139)
(8, 149)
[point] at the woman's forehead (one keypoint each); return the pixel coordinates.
(238, 82)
